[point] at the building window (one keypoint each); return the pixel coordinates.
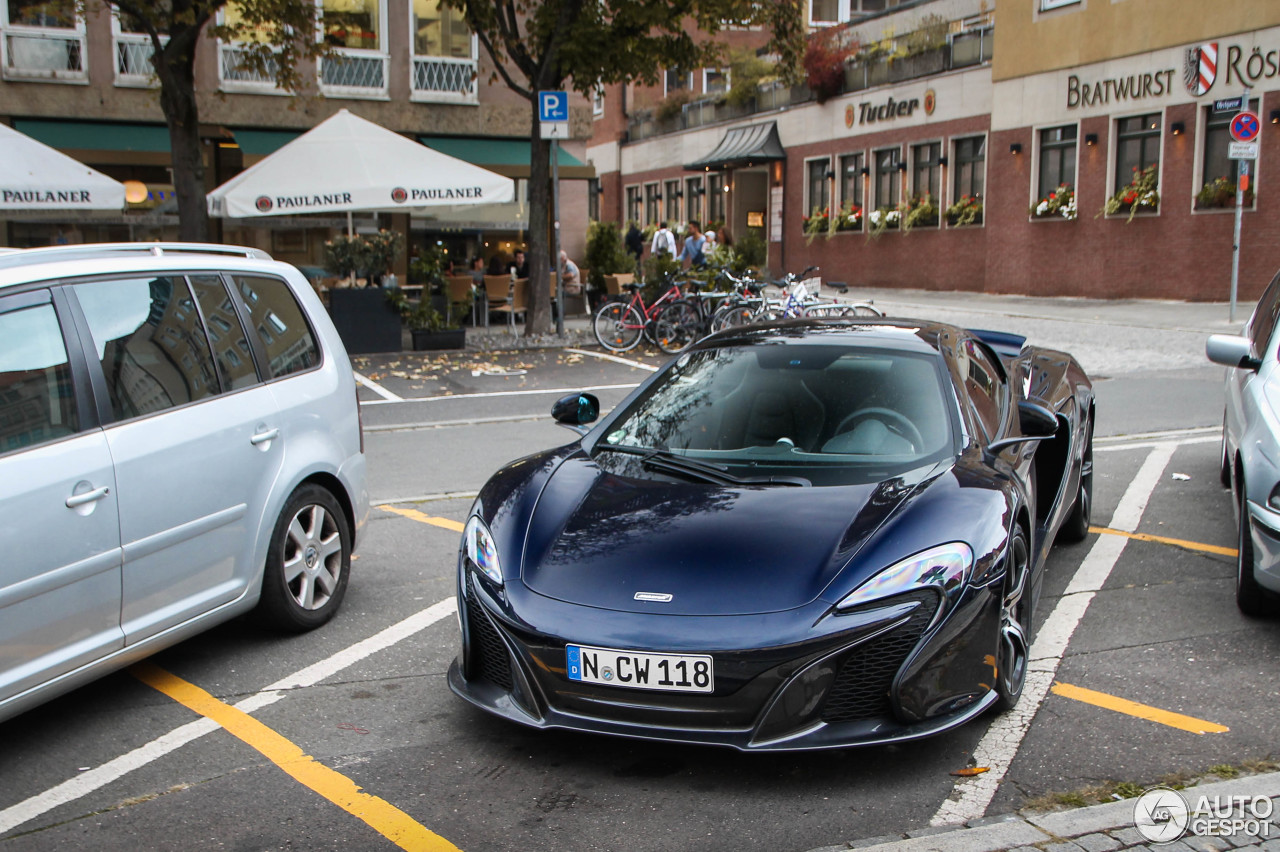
(593, 199)
(676, 80)
(1137, 146)
(1218, 172)
(970, 167)
(44, 40)
(926, 173)
(672, 194)
(133, 51)
(652, 204)
(888, 185)
(693, 198)
(1057, 158)
(444, 53)
(824, 12)
(818, 186)
(1047, 5)
(357, 32)
(715, 80)
(597, 101)
(634, 208)
(850, 177)
(717, 189)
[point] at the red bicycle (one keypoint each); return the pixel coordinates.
(619, 325)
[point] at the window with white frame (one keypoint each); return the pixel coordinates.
(826, 12)
(634, 205)
(597, 102)
(888, 178)
(238, 71)
(693, 198)
(357, 32)
(1217, 170)
(817, 186)
(1058, 147)
(444, 53)
(672, 194)
(715, 80)
(717, 193)
(926, 170)
(849, 176)
(133, 51)
(44, 40)
(675, 80)
(1137, 146)
(1049, 5)
(969, 168)
(652, 204)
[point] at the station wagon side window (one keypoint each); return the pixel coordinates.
(150, 341)
(276, 316)
(37, 403)
(226, 334)
(1263, 322)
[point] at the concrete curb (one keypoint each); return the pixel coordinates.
(1108, 826)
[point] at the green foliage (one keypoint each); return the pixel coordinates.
(746, 72)
(428, 268)
(919, 212)
(1141, 192)
(1060, 202)
(606, 252)
(1220, 192)
(421, 315)
(931, 34)
(966, 211)
(750, 250)
(670, 106)
(365, 256)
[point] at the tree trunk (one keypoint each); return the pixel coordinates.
(540, 261)
(178, 102)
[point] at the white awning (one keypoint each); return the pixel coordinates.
(346, 164)
(34, 176)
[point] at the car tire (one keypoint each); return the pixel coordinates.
(1013, 639)
(1076, 526)
(1251, 598)
(308, 562)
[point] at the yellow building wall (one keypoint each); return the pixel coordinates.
(1029, 41)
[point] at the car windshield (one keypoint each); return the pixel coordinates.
(832, 414)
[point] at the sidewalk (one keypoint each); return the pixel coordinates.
(1099, 828)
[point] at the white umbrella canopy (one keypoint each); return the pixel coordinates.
(34, 176)
(346, 163)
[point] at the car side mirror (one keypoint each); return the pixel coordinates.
(576, 410)
(1036, 423)
(1230, 350)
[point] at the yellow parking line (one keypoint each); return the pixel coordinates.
(383, 817)
(414, 514)
(1175, 542)
(1142, 711)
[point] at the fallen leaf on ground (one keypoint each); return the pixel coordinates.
(970, 771)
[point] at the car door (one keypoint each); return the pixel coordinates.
(195, 440)
(1242, 385)
(59, 527)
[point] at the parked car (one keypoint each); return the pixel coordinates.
(180, 443)
(807, 534)
(1251, 450)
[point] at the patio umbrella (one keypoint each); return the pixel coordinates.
(347, 164)
(34, 176)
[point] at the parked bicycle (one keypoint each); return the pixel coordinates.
(618, 325)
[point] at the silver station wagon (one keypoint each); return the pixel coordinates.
(180, 443)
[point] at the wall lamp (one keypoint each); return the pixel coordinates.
(942, 161)
(1177, 128)
(902, 166)
(1091, 139)
(864, 171)
(1015, 148)
(1275, 116)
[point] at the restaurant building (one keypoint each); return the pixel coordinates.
(1044, 147)
(82, 84)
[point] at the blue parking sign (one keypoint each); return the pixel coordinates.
(553, 106)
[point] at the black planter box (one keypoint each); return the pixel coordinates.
(423, 339)
(365, 319)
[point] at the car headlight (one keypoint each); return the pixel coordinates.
(480, 549)
(945, 567)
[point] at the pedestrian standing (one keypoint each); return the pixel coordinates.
(664, 242)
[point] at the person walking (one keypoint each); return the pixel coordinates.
(664, 242)
(694, 248)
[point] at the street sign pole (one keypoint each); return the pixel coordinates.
(555, 217)
(1242, 174)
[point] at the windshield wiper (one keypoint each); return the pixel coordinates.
(717, 474)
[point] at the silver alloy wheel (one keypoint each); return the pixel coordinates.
(312, 557)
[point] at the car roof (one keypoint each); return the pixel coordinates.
(55, 262)
(908, 335)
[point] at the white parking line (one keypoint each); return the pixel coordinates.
(498, 393)
(604, 356)
(971, 796)
(100, 776)
(377, 388)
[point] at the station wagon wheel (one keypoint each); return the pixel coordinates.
(1012, 649)
(308, 563)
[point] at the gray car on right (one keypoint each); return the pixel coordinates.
(1251, 450)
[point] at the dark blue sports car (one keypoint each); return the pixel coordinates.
(809, 534)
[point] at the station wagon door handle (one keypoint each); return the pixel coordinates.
(87, 497)
(263, 437)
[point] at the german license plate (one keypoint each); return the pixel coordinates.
(640, 670)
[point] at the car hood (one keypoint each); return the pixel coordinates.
(598, 539)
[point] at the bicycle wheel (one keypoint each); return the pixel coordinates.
(732, 316)
(617, 326)
(866, 309)
(678, 327)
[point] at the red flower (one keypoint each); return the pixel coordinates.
(1052, 196)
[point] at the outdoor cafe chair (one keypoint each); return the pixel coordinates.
(517, 304)
(461, 290)
(497, 292)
